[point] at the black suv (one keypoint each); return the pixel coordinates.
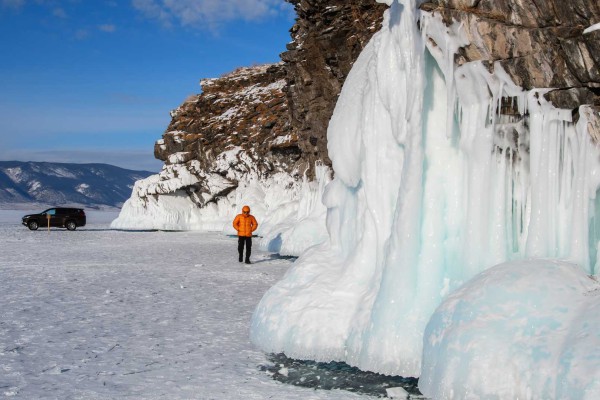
(69, 218)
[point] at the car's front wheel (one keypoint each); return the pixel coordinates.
(71, 225)
(33, 225)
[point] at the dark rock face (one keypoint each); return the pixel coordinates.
(540, 44)
(260, 121)
(246, 108)
(328, 37)
(237, 129)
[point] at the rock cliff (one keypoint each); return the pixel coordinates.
(327, 38)
(238, 126)
(277, 115)
(540, 44)
(258, 122)
(256, 128)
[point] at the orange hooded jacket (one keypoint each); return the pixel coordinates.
(245, 224)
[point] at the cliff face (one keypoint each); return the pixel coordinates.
(281, 112)
(237, 127)
(288, 123)
(327, 38)
(245, 109)
(256, 122)
(540, 44)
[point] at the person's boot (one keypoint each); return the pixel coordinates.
(248, 261)
(241, 258)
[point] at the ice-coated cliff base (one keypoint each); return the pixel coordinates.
(290, 213)
(435, 182)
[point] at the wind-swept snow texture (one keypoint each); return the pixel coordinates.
(435, 181)
(104, 314)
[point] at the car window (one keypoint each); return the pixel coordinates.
(51, 211)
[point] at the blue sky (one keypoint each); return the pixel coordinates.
(94, 80)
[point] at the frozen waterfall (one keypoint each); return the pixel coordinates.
(440, 174)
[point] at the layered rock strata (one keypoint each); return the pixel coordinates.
(238, 126)
(328, 37)
(538, 44)
(258, 134)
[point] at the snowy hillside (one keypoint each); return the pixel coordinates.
(60, 183)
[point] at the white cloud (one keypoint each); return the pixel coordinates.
(151, 9)
(107, 28)
(59, 12)
(208, 13)
(81, 34)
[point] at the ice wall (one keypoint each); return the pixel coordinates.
(440, 173)
(292, 228)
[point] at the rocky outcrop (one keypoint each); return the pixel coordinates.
(246, 108)
(238, 126)
(327, 38)
(540, 44)
(260, 121)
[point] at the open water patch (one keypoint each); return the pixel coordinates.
(336, 375)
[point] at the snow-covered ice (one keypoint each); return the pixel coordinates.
(290, 212)
(105, 314)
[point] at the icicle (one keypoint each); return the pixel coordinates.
(431, 189)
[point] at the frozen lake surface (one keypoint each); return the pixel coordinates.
(99, 314)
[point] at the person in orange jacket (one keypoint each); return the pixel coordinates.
(245, 224)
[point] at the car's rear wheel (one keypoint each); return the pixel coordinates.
(33, 225)
(71, 225)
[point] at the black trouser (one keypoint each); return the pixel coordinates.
(247, 240)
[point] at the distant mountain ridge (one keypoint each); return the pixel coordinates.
(94, 185)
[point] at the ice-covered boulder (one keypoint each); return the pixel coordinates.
(521, 330)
